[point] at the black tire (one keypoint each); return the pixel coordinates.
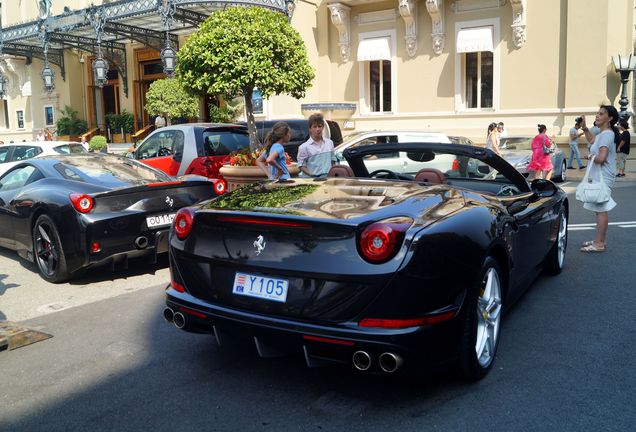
(555, 259)
(560, 178)
(48, 252)
(481, 322)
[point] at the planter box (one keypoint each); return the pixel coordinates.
(68, 138)
(118, 138)
(237, 176)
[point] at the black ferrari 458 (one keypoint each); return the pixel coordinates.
(404, 257)
(68, 213)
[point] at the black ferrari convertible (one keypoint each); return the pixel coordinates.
(386, 271)
(68, 213)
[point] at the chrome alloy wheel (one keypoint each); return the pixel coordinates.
(45, 249)
(562, 239)
(488, 318)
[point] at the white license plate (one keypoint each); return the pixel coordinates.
(160, 220)
(260, 287)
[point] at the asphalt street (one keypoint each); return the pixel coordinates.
(565, 362)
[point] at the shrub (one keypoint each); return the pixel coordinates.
(69, 124)
(97, 143)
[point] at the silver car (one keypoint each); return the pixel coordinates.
(517, 150)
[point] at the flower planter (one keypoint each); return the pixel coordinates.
(237, 176)
(118, 138)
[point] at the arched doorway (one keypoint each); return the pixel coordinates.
(148, 68)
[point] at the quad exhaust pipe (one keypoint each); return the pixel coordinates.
(388, 362)
(176, 318)
(141, 242)
(361, 360)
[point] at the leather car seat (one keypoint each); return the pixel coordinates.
(430, 176)
(340, 171)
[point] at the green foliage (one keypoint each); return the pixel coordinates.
(168, 96)
(222, 114)
(69, 124)
(124, 120)
(239, 49)
(253, 196)
(97, 143)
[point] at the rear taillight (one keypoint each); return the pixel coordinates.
(183, 222)
(380, 241)
(177, 286)
(220, 186)
(81, 202)
(434, 318)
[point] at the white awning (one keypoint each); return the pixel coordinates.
(374, 49)
(474, 40)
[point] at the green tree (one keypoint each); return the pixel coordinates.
(167, 96)
(242, 48)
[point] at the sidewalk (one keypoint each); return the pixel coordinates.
(576, 175)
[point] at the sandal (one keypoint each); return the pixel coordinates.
(592, 248)
(589, 243)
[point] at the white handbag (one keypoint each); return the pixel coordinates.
(590, 191)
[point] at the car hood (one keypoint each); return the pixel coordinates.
(348, 199)
(514, 157)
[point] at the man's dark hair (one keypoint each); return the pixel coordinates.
(316, 119)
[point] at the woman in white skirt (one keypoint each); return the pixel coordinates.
(603, 157)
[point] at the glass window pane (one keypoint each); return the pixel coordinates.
(486, 79)
(386, 85)
(471, 80)
(374, 85)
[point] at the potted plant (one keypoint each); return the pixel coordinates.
(241, 168)
(69, 126)
(113, 121)
(97, 144)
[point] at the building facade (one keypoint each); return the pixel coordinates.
(440, 65)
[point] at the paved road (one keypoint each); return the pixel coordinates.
(566, 363)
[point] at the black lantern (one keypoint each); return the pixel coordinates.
(624, 66)
(100, 71)
(48, 76)
(3, 85)
(168, 59)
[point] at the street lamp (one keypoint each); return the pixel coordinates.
(100, 70)
(168, 59)
(624, 66)
(48, 76)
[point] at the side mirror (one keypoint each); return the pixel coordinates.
(517, 206)
(543, 188)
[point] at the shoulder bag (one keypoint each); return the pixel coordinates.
(590, 191)
(549, 148)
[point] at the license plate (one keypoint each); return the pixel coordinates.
(260, 287)
(160, 220)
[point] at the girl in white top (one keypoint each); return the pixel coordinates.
(492, 142)
(603, 157)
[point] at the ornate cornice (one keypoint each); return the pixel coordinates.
(518, 22)
(340, 19)
(436, 11)
(408, 10)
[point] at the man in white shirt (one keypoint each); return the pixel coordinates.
(316, 156)
(160, 121)
(502, 131)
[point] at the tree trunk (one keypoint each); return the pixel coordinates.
(249, 117)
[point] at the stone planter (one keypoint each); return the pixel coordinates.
(237, 176)
(68, 138)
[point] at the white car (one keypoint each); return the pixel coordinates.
(397, 162)
(13, 154)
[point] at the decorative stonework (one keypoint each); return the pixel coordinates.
(408, 10)
(340, 19)
(15, 69)
(377, 17)
(518, 22)
(436, 11)
(461, 6)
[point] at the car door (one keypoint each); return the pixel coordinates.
(10, 185)
(158, 149)
(217, 144)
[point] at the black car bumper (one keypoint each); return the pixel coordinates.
(427, 347)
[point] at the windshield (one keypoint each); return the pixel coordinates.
(516, 143)
(111, 171)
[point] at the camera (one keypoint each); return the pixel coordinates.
(579, 120)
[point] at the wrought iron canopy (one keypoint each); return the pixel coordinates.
(125, 20)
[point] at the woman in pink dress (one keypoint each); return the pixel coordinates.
(541, 162)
